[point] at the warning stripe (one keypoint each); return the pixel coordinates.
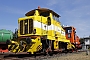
(21, 48)
(10, 47)
(25, 49)
(16, 48)
(39, 48)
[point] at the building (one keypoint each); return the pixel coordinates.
(86, 43)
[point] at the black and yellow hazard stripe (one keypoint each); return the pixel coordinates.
(25, 49)
(22, 48)
(39, 47)
(11, 47)
(16, 49)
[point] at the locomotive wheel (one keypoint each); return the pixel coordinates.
(50, 53)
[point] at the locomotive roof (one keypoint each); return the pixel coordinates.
(69, 27)
(41, 10)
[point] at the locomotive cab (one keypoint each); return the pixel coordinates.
(37, 22)
(72, 36)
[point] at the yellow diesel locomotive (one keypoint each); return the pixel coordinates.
(39, 31)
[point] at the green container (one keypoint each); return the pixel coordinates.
(5, 35)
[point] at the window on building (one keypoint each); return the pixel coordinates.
(86, 40)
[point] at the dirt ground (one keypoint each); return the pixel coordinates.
(69, 56)
(75, 56)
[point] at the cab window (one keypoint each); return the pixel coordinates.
(56, 18)
(68, 30)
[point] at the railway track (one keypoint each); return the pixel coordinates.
(23, 56)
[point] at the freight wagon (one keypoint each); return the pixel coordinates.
(4, 36)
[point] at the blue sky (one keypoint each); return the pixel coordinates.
(73, 13)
